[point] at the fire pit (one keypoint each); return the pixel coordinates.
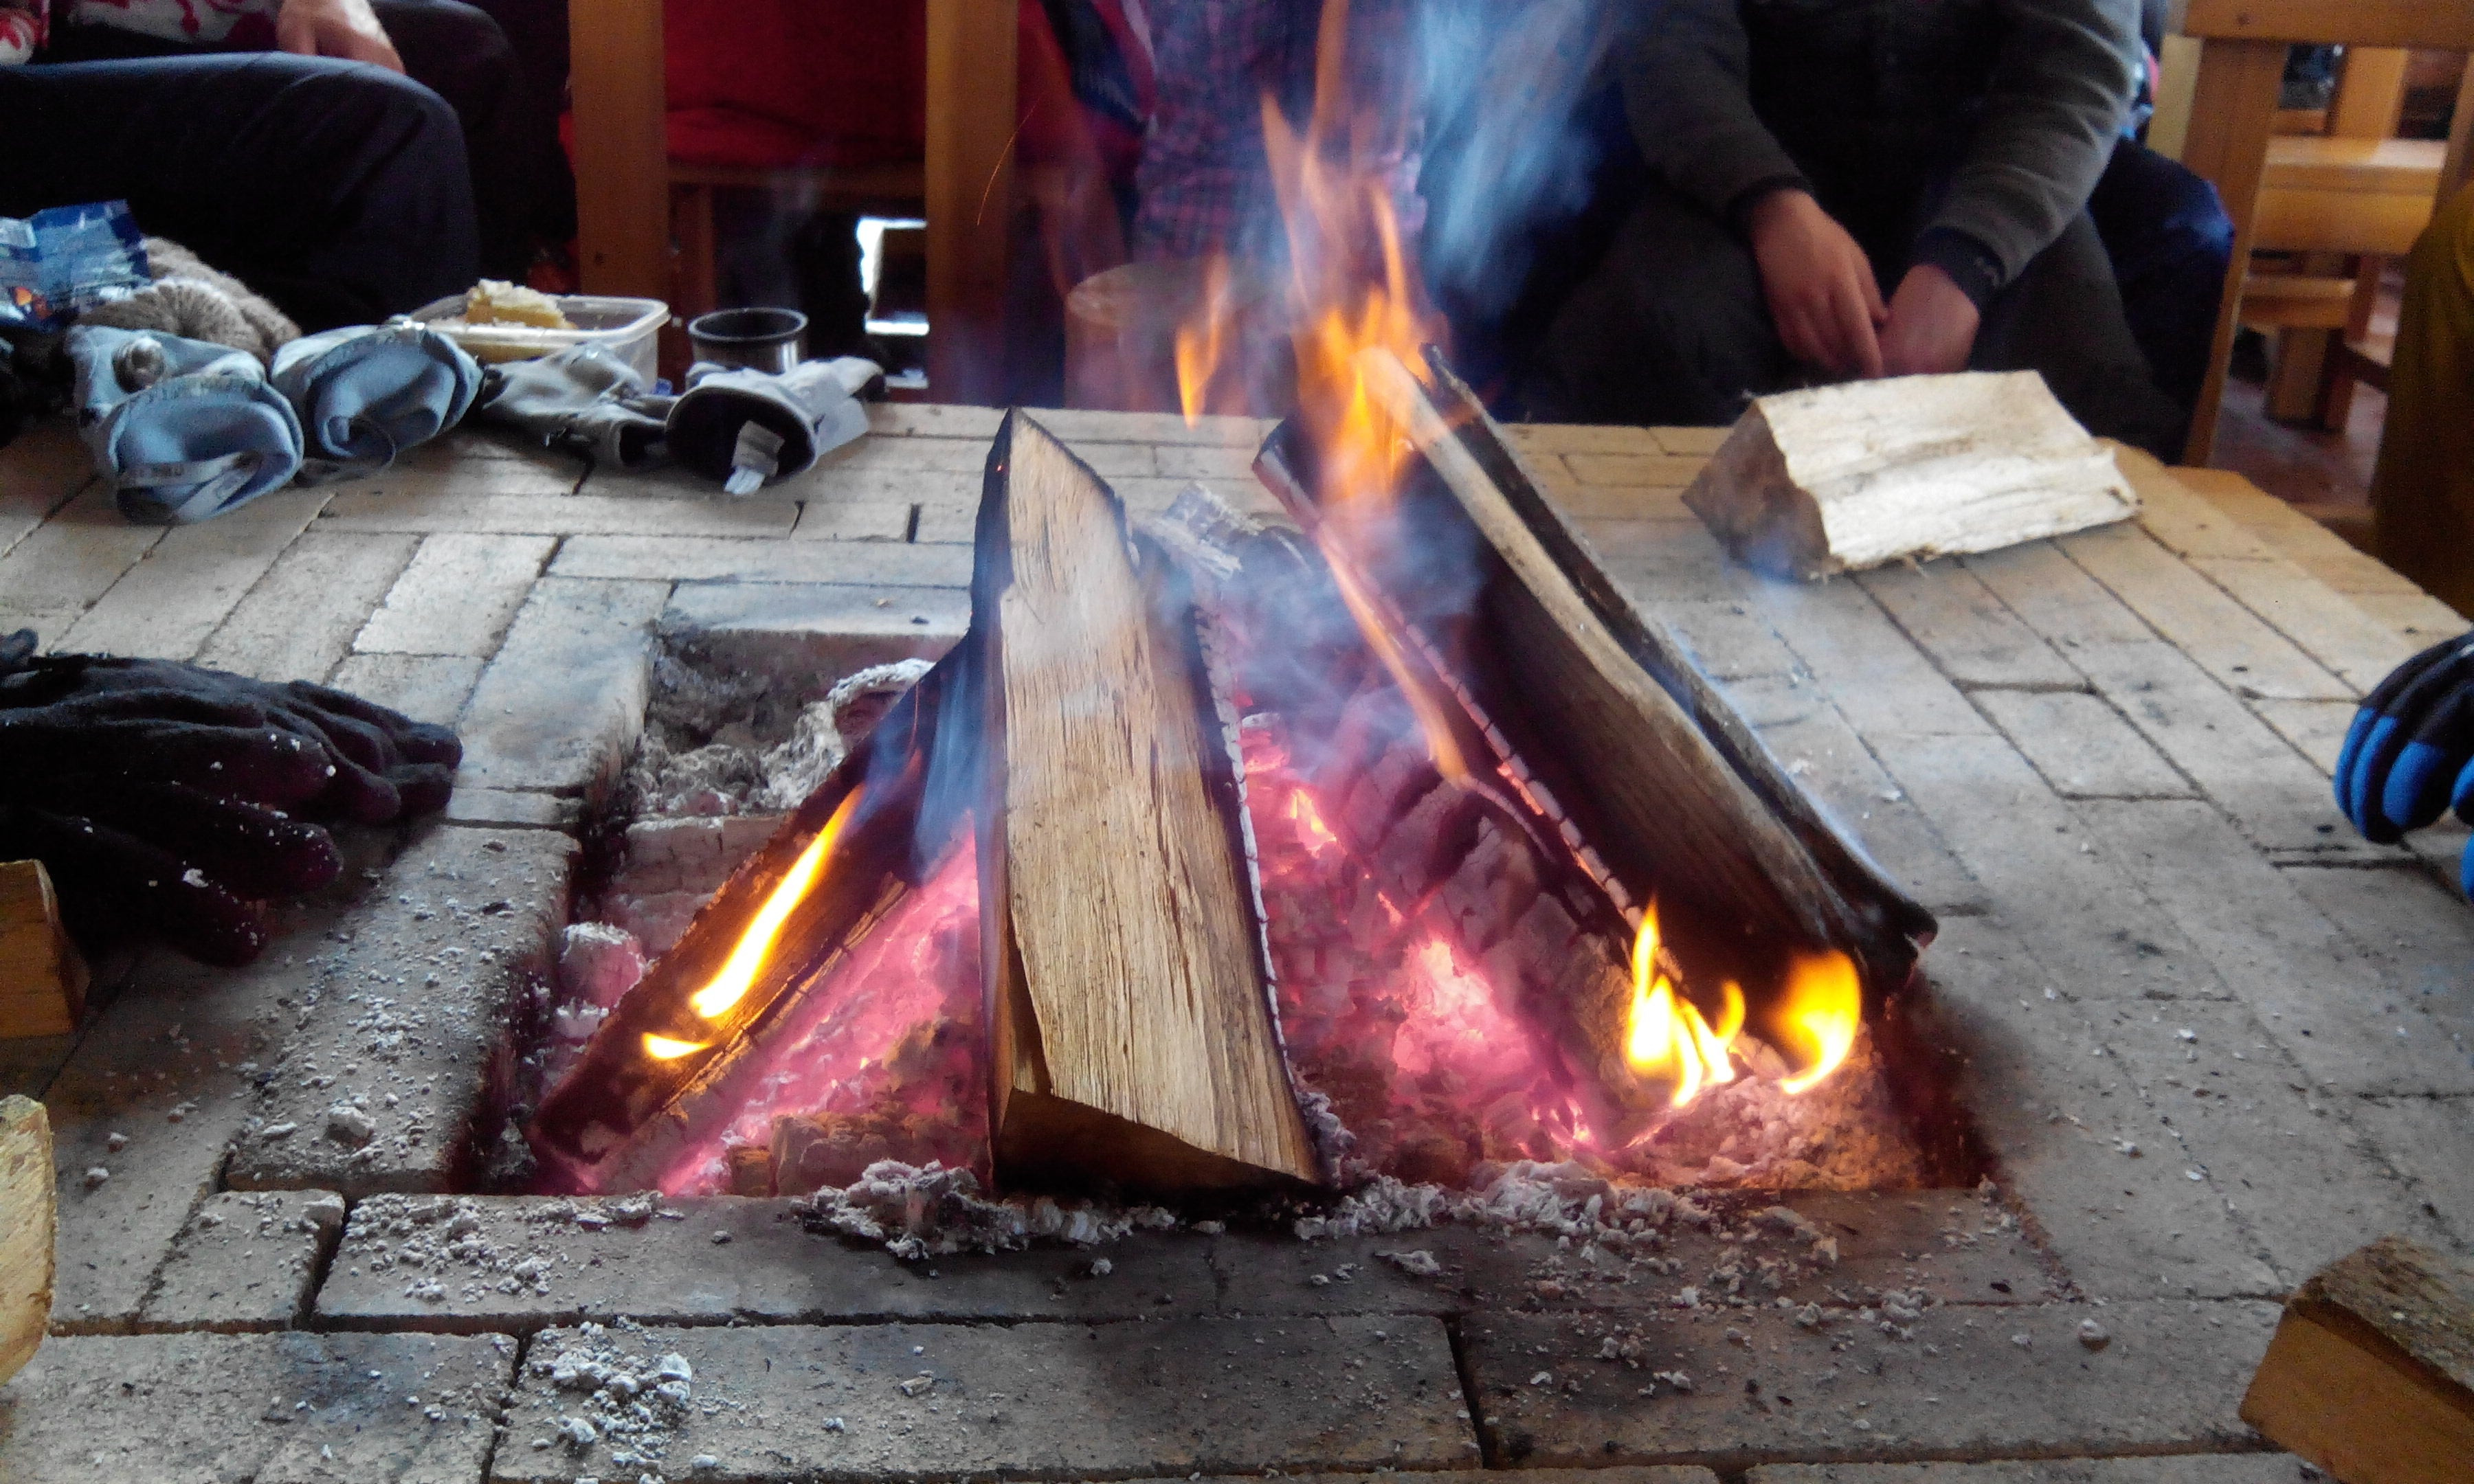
(1395, 927)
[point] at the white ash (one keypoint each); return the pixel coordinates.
(615, 1389)
(598, 964)
(933, 1211)
(733, 773)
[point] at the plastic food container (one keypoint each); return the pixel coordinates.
(628, 326)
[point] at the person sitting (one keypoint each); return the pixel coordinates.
(2422, 489)
(1800, 154)
(282, 140)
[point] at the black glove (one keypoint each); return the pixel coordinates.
(180, 798)
(2410, 753)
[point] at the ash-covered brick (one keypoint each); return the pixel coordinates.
(141, 1114)
(560, 706)
(2189, 1469)
(1948, 1244)
(2227, 1104)
(1174, 1398)
(514, 1262)
(245, 1261)
(2069, 1131)
(409, 1002)
(271, 1408)
(1885, 1382)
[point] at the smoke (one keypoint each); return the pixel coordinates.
(1513, 148)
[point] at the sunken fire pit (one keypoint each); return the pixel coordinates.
(1327, 854)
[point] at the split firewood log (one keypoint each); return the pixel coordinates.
(1836, 479)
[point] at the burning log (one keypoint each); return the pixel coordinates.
(636, 1098)
(1604, 728)
(1133, 1037)
(1840, 478)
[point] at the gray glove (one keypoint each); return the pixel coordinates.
(583, 398)
(185, 430)
(748, 428)
(366, 393)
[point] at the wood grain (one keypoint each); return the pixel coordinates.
(26, 1230)
(2370, 1375)
(42, 978)
(1134, 1032)
(1843, 478)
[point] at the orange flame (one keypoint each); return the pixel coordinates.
(1666, 1037)
(1316, 835)
(664, 1048)
(1824, 1003)
(1201, 342)
(756, 943)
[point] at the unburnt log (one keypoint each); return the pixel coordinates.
(1840, 478)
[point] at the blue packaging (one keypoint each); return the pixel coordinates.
(58, 263)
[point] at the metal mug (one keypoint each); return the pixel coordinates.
(765, 340)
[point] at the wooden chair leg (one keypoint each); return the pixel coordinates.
(2344, 373)
(2296, 375)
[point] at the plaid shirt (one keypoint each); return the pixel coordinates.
(1204, 180)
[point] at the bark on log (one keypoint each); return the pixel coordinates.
(1134, 1038)
(2370, 1375)
(1840, 478)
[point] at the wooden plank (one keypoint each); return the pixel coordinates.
(2370, 95)
(27, 1231)
(2370, 1375)
(42, 976)
(617, 73)
(2232, 108)
(970, 165)
(1133, 1041)
(2438, 25)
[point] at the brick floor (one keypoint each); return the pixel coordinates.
(2103, 759)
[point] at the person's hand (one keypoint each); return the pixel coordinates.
(1822, 294)
(348, 29)
(1932, 325)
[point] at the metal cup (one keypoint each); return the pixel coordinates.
(765, 340)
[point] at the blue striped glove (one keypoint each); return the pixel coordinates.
(2410, 753)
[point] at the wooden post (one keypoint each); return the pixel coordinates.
(42, 978)
(2232, 108)
(971, 122)
(622, 159)
(26, 1230)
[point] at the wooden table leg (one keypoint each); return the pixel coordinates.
(970, 195)
(622, 172)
